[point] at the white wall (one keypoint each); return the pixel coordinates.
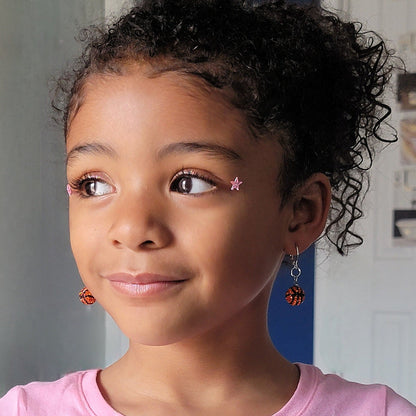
(113, 8)
(44, 330)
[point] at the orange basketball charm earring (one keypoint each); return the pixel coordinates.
(86, 297)
(295, 295)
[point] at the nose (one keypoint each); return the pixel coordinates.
(139, 223)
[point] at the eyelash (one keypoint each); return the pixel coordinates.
(78, 184)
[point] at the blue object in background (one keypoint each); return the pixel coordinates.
(291, 327)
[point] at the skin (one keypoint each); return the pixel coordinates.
(199, 346)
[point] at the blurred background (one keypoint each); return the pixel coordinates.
(360, 316)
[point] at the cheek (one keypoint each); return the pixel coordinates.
(83, 236)
(233, 244)
(249, 253)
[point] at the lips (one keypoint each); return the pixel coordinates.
(143, 284)
(141, 279)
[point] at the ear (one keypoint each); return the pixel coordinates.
(309, 206)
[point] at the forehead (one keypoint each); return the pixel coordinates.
(169, 100)
(159, 83)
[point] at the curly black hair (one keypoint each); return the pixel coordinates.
(301, 75)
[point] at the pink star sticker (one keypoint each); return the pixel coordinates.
(235, 184)
(69, 189)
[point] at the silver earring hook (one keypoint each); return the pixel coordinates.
(296, 271)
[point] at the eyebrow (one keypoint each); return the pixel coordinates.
(90, 148)
(177, 147)
(199, 147)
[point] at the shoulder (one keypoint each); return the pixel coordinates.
(331, 394)
(64, 397)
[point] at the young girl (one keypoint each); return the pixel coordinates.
(204, 139)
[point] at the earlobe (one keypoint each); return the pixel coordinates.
(310, 207)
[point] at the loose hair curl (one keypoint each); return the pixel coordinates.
(300, 74)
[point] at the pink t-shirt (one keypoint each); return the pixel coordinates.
(77, 394)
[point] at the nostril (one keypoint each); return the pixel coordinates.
(116, 243)
(147, 243)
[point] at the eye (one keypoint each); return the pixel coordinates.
(94, 187)
(191, 183)
(91, 186)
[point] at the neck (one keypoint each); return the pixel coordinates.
(207, 368)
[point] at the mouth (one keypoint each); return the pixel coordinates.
(143, 284)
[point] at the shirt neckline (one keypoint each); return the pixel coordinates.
(301, 398)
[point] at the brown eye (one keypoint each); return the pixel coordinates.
(191, 184)
(185, 185)
(95, 187)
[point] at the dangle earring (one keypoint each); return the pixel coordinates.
(295, 295)
(86, 297)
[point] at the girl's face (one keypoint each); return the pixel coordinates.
(159, 237)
